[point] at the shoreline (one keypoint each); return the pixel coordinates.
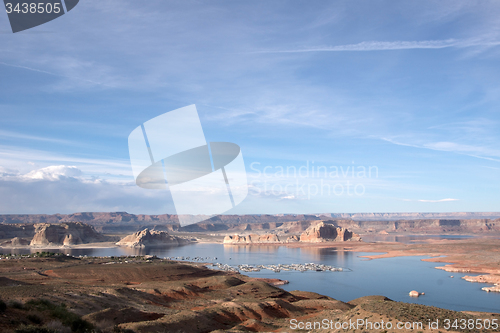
(67, 247)
(455, 262)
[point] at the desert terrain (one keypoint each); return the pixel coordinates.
(45, 292)
(147, 294)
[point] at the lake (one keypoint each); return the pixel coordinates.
(407, 239)
(391, 277)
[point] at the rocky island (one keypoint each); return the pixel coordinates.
(52, 235)
(316, 233)
(152, 238)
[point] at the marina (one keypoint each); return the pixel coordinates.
(276, 268)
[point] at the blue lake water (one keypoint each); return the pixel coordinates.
(407, 239)
(391, 277)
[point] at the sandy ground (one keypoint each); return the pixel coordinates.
(158, 295)
(79, 246)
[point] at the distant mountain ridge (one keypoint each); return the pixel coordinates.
(414, 216)
(124, 217)
(119, 222)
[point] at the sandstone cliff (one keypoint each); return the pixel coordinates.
(120, 222)
(324, 232)
(237, 239)
(319, 232)
(151, 238)
(16, 230)
(16, 242)
(70, 233)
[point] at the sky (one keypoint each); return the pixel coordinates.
(337, 106)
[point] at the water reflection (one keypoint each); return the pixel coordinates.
(236, 248)
(99, 252)
(406, 239)
(337, 254)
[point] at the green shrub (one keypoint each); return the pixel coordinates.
(80, 326)
(39, 304)
(60, 312)
(16, 305)
(34, 319)
(3, 306)
(117, 329)
(33, 329)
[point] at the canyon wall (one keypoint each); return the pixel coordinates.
(70, 233)
(316, 233)
(151, 238)
(120, 222)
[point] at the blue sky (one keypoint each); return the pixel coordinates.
(411, 90)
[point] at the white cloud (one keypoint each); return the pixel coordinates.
(486, 153)
(53, 173)
(462, 148)
(440, 200)
(66, 189)
(70, 77)
(390, 46)
(17, 135)
(26, 160)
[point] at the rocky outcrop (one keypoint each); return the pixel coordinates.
(121, 222)
(266, 238)
(324, 232)
(8, 231)
(152, 238)
(64, 234)
(16, 242)
(320, 232)
(495, 288)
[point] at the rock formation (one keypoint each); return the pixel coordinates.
(16, 242)
(324, 232)
(319, 232)
(8, 231)
(119, 222)
(69, 233)
(292, 239)
(266, 238)
(151, 238)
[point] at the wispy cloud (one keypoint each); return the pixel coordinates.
(17, 135)
(440, 200)
(389, 46)
(51, 73)
(432, 201)
(469, 150)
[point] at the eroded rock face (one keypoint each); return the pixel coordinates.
(324, 232)
(16, 242)
(70, 233)
(266, 238)
(319, 232)
(152, 238)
